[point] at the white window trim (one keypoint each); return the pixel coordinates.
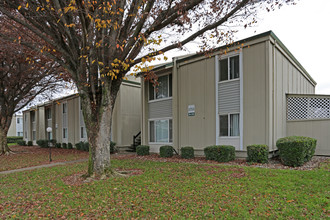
(157, 119)
(65, 140)
(228, 114)
(81, 125)
(228, 63)
(168, 90)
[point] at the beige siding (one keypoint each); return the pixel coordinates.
(255, 99)
(12, 127)
(127, 115)
(288, 79)
(318, 129)
(196, 86)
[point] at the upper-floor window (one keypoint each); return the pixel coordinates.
(49, 113)
(33, 116)
(229, 68)
(64, 108)
(18, 120)
(163, 90)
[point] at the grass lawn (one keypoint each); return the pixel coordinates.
(168, 191)
(12, 144)
(27, 156)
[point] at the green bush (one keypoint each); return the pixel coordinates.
(112, 147)
(14, 139)
(79, 145)
(296, 150)
(42, 143)
(220, 153)
(64, 146)
(257, 153)
(142, 150)
(166, 151)
(21, 143)
(187, 152)
(70, 146)
(29, 143)
(86, 146)
(58, 145)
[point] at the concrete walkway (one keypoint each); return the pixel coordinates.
(43, 166)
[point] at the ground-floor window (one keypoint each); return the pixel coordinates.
(19, 134)
(160, 131)
(83, 133)
(50, 135)
(229, 125)
(65, 132)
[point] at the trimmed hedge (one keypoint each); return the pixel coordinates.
(112, 147)
(70, 146)
(142, 150)
(296, 150)
(220, 153)
(187, 152)
(166, 151)
(79, 145)
(86, 146)
(21, 143)
(64, 146)
(42, 143)
(58, 145)
(14, 139)
(257, 153)
(29, 143)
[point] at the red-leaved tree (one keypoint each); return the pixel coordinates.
(24, 74)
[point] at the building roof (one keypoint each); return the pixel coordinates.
(243, 41)
(128, 81)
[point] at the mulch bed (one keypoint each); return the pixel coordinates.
(273, 163)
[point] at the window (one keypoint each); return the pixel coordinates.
(48, 113)
(18, 120)
(163, 90)
(50, 135)
(229, 125)
(25, 134)
(65, 133)
(83, 132)
(20, 134)
(229, 68)
(161, 131)
(33, 117)
(64, 108)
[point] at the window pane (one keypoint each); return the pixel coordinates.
(234, 125)
(162, 131)
(223, 125)
(170, 131)
(151, 92)
(234, 67)
(223, 69)
(162, 87)
(64, 108)
(152, 131)
(170, 84)
(17, 120)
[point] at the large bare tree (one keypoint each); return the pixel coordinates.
(99, 41)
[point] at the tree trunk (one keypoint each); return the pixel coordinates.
(98, 131)
(4, 149)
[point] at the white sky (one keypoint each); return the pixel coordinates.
(303, 30)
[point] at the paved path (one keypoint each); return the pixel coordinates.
(43, 166)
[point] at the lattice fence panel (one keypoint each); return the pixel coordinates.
(306, 108)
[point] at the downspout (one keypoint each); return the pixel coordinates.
(175, 106)
(273, 99)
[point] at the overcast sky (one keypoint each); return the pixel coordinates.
(304, 30)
